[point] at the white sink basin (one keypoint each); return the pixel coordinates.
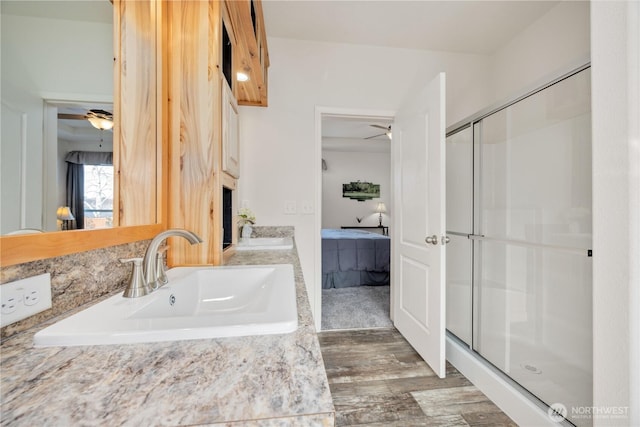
(264, 243)
(198, 302)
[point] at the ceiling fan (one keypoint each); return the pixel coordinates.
(100, 119)
(387, 131)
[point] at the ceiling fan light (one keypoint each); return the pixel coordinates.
(100, 123)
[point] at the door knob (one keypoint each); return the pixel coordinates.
(445, 240)
(432, 240)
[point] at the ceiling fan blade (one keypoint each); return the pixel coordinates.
(65, 116)
(375, 136)
(101, 114)
(381, 127)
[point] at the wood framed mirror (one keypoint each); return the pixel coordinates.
(139, 155)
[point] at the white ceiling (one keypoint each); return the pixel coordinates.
(355, 133)
(476, 27)
(480, 27)
(353, 127)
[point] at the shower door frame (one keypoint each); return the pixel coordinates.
(475, 122)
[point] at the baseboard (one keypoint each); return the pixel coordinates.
(508, 398)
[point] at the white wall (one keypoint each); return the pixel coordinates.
(609, 34)
(50, 58)
(277, 148)
(277, 143)
(344, 167)
(12, 207)
(556, 42)
(615, 36)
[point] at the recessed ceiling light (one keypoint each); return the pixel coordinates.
(241, 77)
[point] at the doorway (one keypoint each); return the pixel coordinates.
(68, 130)
(417, 298)
(354, 184)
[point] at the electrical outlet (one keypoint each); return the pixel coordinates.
(24, 298)
(31, 297)
(10, 302)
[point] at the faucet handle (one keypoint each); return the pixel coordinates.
(137, 286)
(160, 270)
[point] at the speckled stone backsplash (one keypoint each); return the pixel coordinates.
(269, 231)
(76, 279)
(81, 278)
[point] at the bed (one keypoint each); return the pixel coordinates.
(354, 258)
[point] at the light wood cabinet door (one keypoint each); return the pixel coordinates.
(251, 53)
(230, 133)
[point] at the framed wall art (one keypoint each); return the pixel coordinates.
(361, 191)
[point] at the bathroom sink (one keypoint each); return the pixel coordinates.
(197, 303)
(264, 243)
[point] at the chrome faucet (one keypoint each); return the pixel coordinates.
(149, 262)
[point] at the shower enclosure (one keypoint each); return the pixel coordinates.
(519, 259)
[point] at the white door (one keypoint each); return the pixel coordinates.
(419, 226)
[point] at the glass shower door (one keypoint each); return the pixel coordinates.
(532, 265)
(459, 187)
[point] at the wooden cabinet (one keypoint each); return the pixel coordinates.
(205, 46)
(252, 55)
(228, 48)
(168, 65)
(230, 142)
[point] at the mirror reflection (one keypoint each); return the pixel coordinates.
(57, 74)
(85, 166)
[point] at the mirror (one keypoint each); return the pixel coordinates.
(76, 150)
(57, 55)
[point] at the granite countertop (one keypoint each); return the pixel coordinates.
(272, 379)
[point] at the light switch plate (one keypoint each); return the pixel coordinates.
(307, 207)
(290, 207)
(24, 298)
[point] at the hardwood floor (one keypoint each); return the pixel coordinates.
(377, 379)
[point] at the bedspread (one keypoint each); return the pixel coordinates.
(354, 257)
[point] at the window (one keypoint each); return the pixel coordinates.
(98, 196)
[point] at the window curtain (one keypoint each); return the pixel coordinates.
(75, 180)
(75, 193)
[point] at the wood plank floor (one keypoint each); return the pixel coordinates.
(377, 379)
